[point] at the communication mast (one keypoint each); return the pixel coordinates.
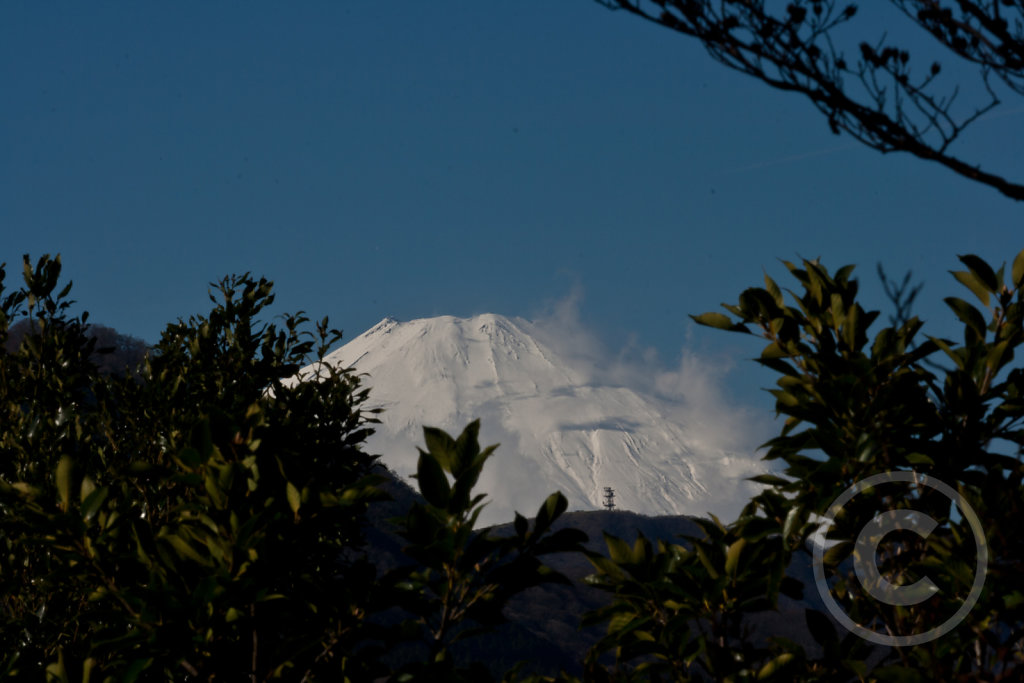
(609, 498)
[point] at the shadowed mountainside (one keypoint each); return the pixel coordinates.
(543, 627)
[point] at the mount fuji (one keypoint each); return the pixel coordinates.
(563, 422)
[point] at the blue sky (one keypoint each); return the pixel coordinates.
(414, 159)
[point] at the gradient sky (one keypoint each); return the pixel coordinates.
(412, 159)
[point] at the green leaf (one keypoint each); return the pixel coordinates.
(773, 290)
(843, 274)
(948, 350)
(774, 666)
(792, 517)
(1013, 600)
(620, 621)
(771, 480)
(184, 550)
(618, 550)
(774, 351)
(467, 447)
(135, 669)
(1018, 270)
(87, 666)
(55, 672)
(982, 271)
(432, 480)
(441, 445)
(971, 316)
(521, 526)
(732, 556)
(64, 482)
(87, 487)
(93, 502)
(837, 553)
(189, 457)
(604, 565)
(838, 308)
(919, 459)
(994, 359)
(717, 320)
(784, 399)
(972, 283)
(294, 498)
(550, 510)
(706, 561)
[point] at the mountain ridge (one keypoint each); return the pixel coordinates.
(562, 421)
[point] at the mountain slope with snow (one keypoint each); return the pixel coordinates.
(559, 429)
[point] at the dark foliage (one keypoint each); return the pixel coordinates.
(211, 517)
(113, 352)
(203, 516)
(185, 523)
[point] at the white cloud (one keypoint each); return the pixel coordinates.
(693, 388)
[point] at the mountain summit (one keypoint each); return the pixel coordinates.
(559, 427)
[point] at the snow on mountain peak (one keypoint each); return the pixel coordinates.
(560, 426)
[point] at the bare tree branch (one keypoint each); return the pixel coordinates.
(874, 99)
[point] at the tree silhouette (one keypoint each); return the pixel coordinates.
(873, 97)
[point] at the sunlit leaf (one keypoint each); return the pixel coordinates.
(432, 480)
(64, 481)
(732, 556)
(1018, 270)
(713, 319)
(294, 498)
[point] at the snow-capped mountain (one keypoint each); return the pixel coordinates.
(559, 429)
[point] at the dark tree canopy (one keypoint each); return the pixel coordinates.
(202, 515)
(873, 94)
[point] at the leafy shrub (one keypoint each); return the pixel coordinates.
(855, 406)
(201, 517)
(196, 522)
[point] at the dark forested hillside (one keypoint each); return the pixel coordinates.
(113, 352)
